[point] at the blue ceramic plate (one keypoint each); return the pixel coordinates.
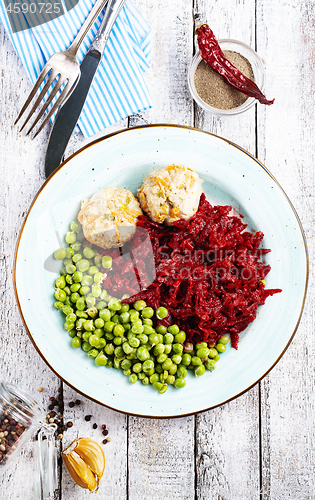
(231, 176)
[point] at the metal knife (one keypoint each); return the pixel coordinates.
(68, 115)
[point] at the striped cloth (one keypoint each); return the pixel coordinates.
(118, 89)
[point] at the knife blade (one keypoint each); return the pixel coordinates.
(68, 115)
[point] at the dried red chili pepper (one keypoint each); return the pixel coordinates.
(212, 54)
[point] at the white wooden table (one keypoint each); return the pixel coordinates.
(261, 445)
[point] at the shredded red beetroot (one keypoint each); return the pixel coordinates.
(208, 273)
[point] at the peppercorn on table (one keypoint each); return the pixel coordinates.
(259, 445)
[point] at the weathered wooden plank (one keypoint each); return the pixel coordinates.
(161, 453)
(227, 448)
(113, 484)
(285, 145)
(21, 177)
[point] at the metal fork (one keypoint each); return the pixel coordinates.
(63, 65)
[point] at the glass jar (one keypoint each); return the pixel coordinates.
(20, 419)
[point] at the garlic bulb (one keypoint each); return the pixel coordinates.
(85, 461)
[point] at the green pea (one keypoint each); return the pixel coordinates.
(77, 276)
(126, 364)
(98, 277)
(86, 336)
(179, 383)
(147, 329)
(88, 253)
(80, 304)
(107, 262)
(203, 353)
(71, 318)
(178, 348)
(154, 378)
(58, 305)
(75, 287)
(98, 260)
(134, 315)
(168, 338)
(60, 282)
(67, 290)
(161, 313)
(69, 325)
(161, 388)
(94, 340)
(180, 337)
(134, 342)
(60, 254)
(126, 372)
(76, 342)
(147, 321)
(67, 310)
(101, 305)
(161, 358)
(168, 348)
(109, 326)
(139, 305)
(109, 363)
(75, 226)
(173, 329)
(81, 314)
(93, 270)
(195, 361)
(76, 246)
(69, 279)
(147, 312)
(170, 380)
(90, 301)
(127, 348)
(158, 349)
(70, 237)
(124, 308)
(93, 353)
(119, 352)
(83, 265)
(133, 378)
(79, 324)
(145, 381)
(104, 314)
(161, 329)
(109, 349)
(177, 359)
(76, 257)
(157, 385)
(142, 353)
(96, 291)
(137, 367)
(86, 346)
(92, 312)
(144, 339)
(148, 366)
(159, 368)
(60, 295)
(163, 376)
(70, 268)
(153, 339)
(124, 317)
(74, 297)
(220, 347)
(136, 328)
(117, 363)
(199, 370)
(201, 345)
(118, 330)
(186, 359)
(101, 360)
(114, 305)
(173, 369)
(88, 325)
(212, 352)
(63, 271)
(181, 371)
(67, 262)
(72, 334)
(167, 363)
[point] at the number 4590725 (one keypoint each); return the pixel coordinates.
(34, 8)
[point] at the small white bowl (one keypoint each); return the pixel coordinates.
(258, 70)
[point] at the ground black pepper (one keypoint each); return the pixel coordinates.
(214, 90)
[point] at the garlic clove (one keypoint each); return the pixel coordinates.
(85, 461)
(79, 471)
(92, 454)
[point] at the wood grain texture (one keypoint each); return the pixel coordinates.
(285, 145)
(261, 445)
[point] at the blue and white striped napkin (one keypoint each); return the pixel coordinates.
(118, 89)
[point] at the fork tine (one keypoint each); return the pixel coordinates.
(50, 80)
(53, 109)
(37, 84)
(47, 103)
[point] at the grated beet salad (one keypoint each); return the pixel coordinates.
(207, 271)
